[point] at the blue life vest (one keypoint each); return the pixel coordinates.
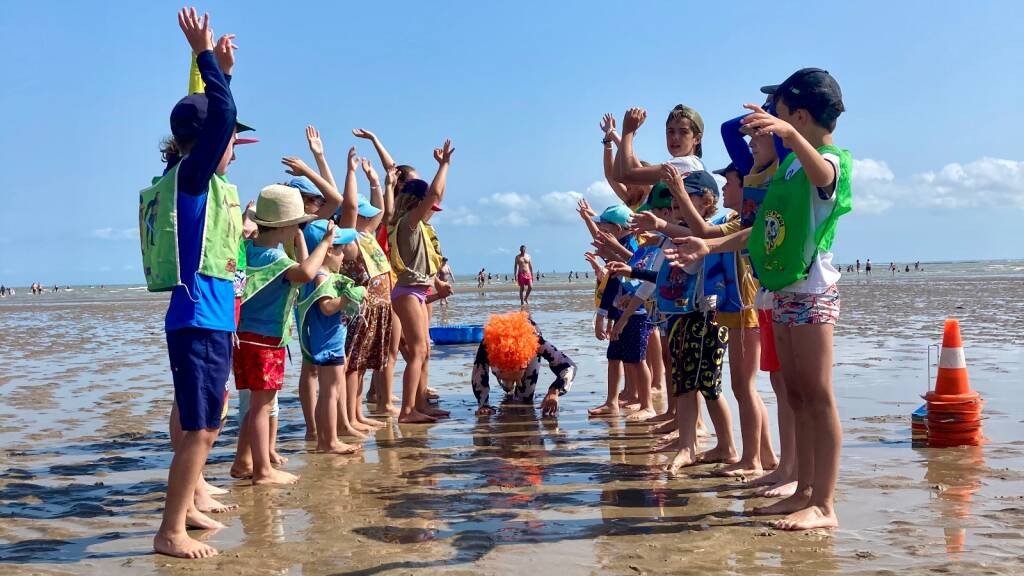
(721, 275)
(677, 291)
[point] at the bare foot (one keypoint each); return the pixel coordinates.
(771, 462)
(641, 415)
(773, 477)
(666, 428)
(211, 489)
(182, 546)
(432, 393)
(310, 435)
(436, 412)
(604, 410)
(777, 490)
(739, 469)
(372, 423)
(360, 427)
(702, 432)
(240, 472)
(415, 417)
(807, 519)
(390, 410)
(666, 441)
(718, 456)
(340, 448)
(275, 477)
(196, 520)
(685, 457)
(276, 459)
(205, 503)
(786, 506)
(666, 417)
(342, 431)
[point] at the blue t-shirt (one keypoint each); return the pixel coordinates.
(263, 314)
(326, 333)
(202, 301)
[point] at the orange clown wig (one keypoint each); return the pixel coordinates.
(511, 341)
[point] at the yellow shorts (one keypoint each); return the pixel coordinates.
(746, 318)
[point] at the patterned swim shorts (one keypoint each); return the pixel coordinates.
(697, 346)
(792, 309)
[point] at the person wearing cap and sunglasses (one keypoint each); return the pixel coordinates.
(190, 230)
(790, 248)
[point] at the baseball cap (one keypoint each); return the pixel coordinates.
(730, 168)
(315, 231)
(305, 186)
(367, 210)
(812, 89)
(416, 187)
(188, 116)
(695, 117)
(618, 214)
(697, 182)
(660, 197)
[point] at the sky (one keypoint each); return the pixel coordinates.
(932, 92)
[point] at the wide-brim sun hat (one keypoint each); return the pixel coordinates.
(279, 206)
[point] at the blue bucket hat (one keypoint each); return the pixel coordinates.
(305, 186)
(618, 214)
(367, 210)
(315, 231)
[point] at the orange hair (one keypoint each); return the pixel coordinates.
(511, 340)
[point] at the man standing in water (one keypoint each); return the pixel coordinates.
(524, 275)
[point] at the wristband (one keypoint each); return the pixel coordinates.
(606, 142)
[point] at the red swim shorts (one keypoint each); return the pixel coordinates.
(769, 357)
(258, 362)
(524, 280)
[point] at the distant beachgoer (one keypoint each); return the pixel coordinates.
(445, 274)
(523, 271)
(867, 267)
(858, 265)
(917, 266)
(481, 278)
(512, 349)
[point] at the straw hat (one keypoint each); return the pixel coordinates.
(279, 206)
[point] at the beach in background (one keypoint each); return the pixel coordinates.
(83, 430)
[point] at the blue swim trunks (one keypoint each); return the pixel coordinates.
(631, 347)
(200, 365)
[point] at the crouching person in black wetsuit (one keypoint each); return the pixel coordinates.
(513, 348)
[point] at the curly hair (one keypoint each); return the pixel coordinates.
(511, 340)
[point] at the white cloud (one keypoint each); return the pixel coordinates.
(116, 233)
(986, 182)
(457, 215)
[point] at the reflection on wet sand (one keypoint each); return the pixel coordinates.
(85, 456)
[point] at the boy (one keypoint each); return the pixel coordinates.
(789, 247)
(272, 281)
(322, 333)
(684, 130)
(190, 227)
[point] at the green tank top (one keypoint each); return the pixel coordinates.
(779, 238)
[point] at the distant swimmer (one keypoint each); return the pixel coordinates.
(524, 275)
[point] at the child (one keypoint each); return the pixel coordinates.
(190, 228)
(415, 260)
(322, 333)
(632, 195)
(790, 249)
(272, 281)
(684, 130)
(512, 348)
(369, 334)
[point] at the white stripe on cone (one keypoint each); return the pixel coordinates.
(952, 358)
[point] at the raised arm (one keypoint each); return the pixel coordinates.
(820, 172)
(736, 145)
(390, 178)
(694, 220)
(376, 195)
(435, 192)
(385, 158)
(306, 270)
(632, 171)
(690, 249)
(332, 199)
(611, 137)
(350, 203)
(316, 147)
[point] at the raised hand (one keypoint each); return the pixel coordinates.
(443, 155)
(584, 209)
(391, 177)
(329, 232)
(633, 119)
(296, 167)
(371, 174)
(607, 124)
(671, 175)
(761, 122)
(618, 269)
(646, 222)
(225, 53)
(360, 133)
(197, 31)
(316, 146)
(353, 160)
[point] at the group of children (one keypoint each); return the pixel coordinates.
(356, 277)
(680, 288)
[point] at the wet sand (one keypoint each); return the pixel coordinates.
(85, 454)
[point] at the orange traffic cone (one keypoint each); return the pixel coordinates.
(954, 410)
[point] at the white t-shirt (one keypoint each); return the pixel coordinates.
(686, 164)
(821, 274)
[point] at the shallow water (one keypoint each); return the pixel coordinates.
(84, 455)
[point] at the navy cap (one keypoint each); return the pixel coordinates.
(696, 183)
(189, 115)
(812, 89)
(416, 187)
(730, 168)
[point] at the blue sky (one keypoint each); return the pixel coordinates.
(932, 92)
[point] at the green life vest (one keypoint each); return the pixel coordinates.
(158, 231)
(778, 244)
(336, 285)
(258, 277)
